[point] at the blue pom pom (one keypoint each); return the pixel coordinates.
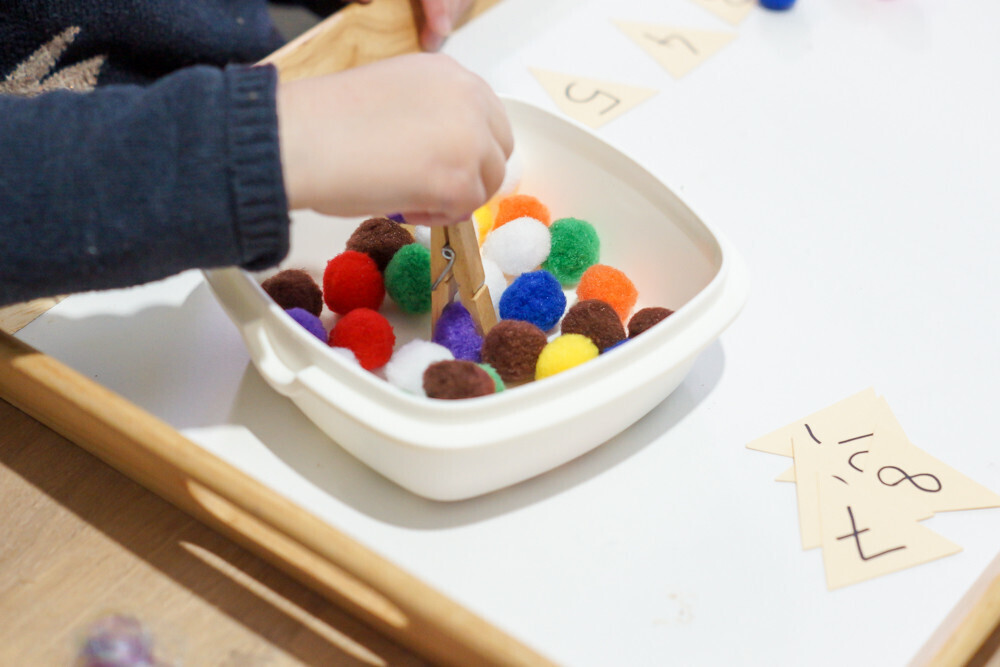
(535, 297)
(456, 331)
(777, 4)
(311, 323)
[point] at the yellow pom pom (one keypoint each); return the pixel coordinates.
(483, 217)
(566, 351)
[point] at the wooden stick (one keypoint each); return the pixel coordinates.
(357, 35)
(970, 634)
(250, 513)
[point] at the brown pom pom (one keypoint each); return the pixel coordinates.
(646, 318)
(294, 288)
(512, 348)
(379, 238)
(454, 379)
(596, 320)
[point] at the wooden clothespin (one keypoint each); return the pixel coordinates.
(455, 259)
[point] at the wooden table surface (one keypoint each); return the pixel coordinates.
(82, 541)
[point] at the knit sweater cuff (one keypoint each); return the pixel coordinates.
(260, 207)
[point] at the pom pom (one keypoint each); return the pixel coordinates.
(422, 235)
(407, 365)
(456, 330)
(513, 207)
(575, 248)
(483, 217)
(534, 297)
(309, 322)
(596, 320)
(408, 278)
(512, 348)
(520, 245)
(496, 281)
(610, 285)
(352, 280)
(457, 379)
(397, 217)
(646, 318)
(294, 288)
(117, 641)
(379, 238)
(511, 176)
(366, 333)
(498, 384)
(565, 352)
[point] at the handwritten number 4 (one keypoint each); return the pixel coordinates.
(856, 534)
(668, 40)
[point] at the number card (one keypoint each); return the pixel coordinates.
(590, 101)
(863, 538)
(730, 11)
(678, 50)
(862, 489)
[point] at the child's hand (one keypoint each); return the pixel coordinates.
(439, 19)
(418, 135)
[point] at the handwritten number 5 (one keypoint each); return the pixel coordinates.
(593, 96)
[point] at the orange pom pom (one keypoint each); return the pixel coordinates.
(513, 207)
(610, 285)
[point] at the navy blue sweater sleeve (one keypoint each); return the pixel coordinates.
(128, 184)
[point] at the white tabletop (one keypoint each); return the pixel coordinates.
(848, 150)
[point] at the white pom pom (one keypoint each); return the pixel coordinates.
(519, 245)
(512, 175)
(422, 235)
(407, 365)
(346, 353)
(496, 281)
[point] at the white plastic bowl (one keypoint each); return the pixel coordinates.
(451, 450)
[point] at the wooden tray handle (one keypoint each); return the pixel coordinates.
(155, 455)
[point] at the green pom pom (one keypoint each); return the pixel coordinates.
(575, 248)
(408, 278)
(497, 380)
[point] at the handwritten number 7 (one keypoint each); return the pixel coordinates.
(593, 96)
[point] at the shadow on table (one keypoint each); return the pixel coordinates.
(291, 437)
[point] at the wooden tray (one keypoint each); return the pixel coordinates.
(345, 572)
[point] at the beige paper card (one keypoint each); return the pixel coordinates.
(780, 441)
(863, 539)
(590, 101)
(807, 462)
(915, 476)
(787, 476)
(678, 50)
(730, 11)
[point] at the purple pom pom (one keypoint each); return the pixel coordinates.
(398, 217)
(117, 641)
(456, 331)
(311, 323)
(535, 297)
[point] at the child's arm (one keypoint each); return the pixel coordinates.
(128, 184)
(418, 134)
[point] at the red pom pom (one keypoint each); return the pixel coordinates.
(367, 334)
(352, 280)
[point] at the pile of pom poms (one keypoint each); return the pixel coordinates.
(531, 263)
